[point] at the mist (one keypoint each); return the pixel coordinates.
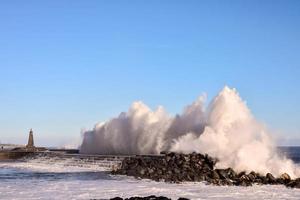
(225, 129)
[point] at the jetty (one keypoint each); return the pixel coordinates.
(19, 152)
(70, 157)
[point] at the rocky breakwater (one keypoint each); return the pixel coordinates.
(176, 168)
(146, 198)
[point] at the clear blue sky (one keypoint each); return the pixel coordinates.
(66, 65)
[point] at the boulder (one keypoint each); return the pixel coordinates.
(244, 178)
(116, 198)
(176, 168)
(215, 174)
(270, 178)
(285, 177)
(294, 183)
(251, 177)
(148, 198)
(222, 173)
(241, 174)
(231, 173)
(226, 173)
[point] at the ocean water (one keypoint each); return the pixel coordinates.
(69, 178)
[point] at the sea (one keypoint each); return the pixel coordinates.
(68, 178)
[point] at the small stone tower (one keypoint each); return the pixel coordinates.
(30, 140)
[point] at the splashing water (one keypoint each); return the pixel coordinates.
(226, 129)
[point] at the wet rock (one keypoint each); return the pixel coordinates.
(294, 183)
(270, 178)
(264, 180)
(285, 177)
(227, 182)
(176, 171)
(231, 173)
(244, 178)
(116, 198)
(251, 177)
(222, 173)
(176, 168)
(244, 183)
(143, 198)
(142, 172)
(215, 175)
(241, 174)
(226, 173)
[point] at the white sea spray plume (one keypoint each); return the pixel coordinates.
(226, 129)
(139, 131)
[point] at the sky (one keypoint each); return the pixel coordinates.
(66, 65)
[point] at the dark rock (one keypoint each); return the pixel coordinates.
(164, 152)
(241, 174)
(244, 183)
(231, 173)
(116, 198)
(186, 158)
(148, 198)
(215, 175)
(199, 178)
(222, 173)
(285, 177)
(227, 182)
(176, 171)
(263, 179)
(176, 168)
(226, 173)
(294, 183)
(142, 171)
(270, 178)
(245, 178)
(281, 181)
(251, 177)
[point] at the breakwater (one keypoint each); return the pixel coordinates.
(174, 167)
(8, 155)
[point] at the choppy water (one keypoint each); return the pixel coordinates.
(56, 178)
(291, 152)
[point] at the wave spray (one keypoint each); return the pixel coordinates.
(225, 129)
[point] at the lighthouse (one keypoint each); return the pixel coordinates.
(30, 143)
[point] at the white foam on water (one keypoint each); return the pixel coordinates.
(55, 164)
(107, 186)
(127, 187)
